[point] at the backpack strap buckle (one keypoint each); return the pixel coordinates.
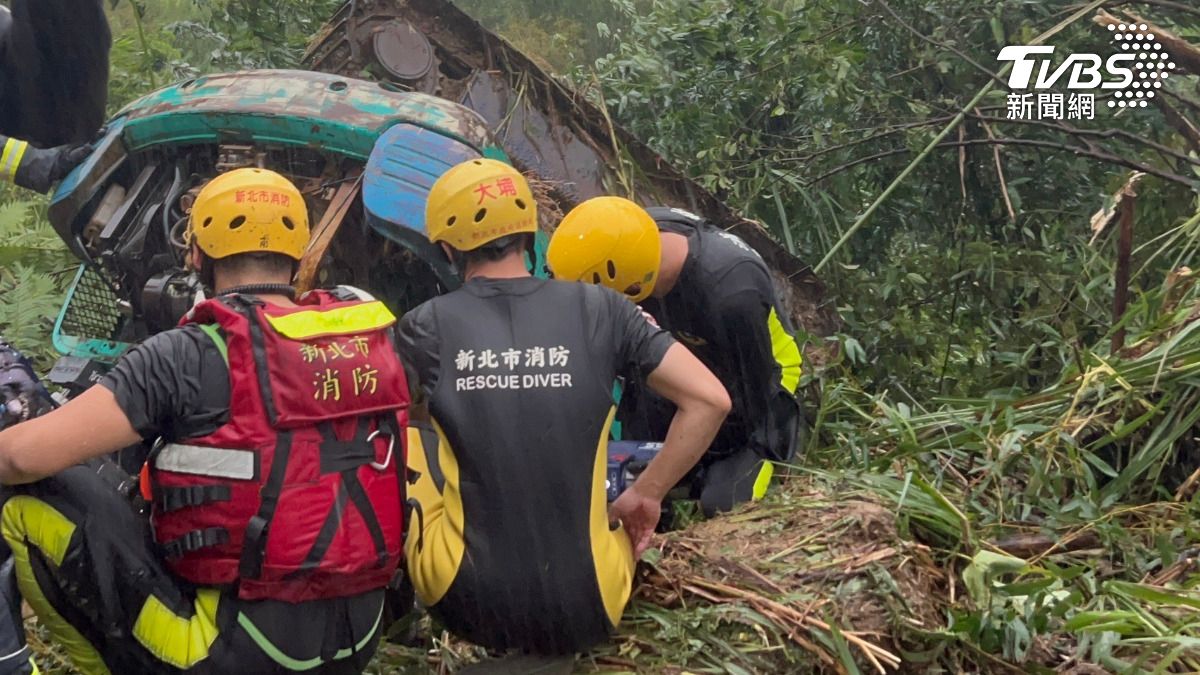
(387, 461)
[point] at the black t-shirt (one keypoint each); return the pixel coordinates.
(519, 375)
(175, 384)
(617, 331)
(722, 307)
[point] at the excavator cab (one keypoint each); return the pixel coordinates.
(364, 154)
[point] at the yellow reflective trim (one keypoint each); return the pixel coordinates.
(20, 155)
(14, 152)
(5, 173)
(290, 663)
(213, 331)
(612, 552)
(763, 481)
(786, 351)
(31, 518)
(29, 521)
(433, 566)
(179, 641)
(360, 318)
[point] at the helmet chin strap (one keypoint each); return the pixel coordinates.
(286, 290)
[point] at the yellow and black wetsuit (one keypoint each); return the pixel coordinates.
(724, 307)
(515, 551)
(86, 563)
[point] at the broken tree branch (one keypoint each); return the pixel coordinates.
(1168, 4)
(962, 165)
(1124, 252)
(1086, 135)
(1027, 142)
(1183, 52)
(1189, 103)
(1035, 545)
(1008, 205)
(1179, 123)
(940, 45)
(958, 119)
(1098, 134)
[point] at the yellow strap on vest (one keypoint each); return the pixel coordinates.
(10, 159)
(353, 319)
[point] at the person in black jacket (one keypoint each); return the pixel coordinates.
(714, 294)
(53, 87)
(516, 549)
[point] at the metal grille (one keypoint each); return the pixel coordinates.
(91, 312)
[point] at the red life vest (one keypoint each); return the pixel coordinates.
(301, 494)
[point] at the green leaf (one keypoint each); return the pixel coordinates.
(997, 31)
(1154, 594)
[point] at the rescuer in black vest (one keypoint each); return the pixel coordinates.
(53, 87)
(275, 489)
(714, 294)
(515, 549)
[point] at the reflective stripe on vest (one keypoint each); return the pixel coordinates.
(204, 461)
(786, 351)
(355, 319)
(10, 159)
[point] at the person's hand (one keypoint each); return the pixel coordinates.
(40, 169)
(639, 514)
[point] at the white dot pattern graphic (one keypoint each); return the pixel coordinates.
(1151, 65)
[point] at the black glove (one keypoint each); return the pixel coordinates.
(40, 169)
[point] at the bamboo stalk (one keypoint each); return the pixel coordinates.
(937, 140)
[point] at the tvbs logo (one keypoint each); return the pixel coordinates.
(1084, 69)
(1128, 78)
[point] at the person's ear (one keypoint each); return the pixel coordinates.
(195, 257)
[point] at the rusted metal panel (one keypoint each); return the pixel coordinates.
(547, 128)
(338, 113)
(535, 142)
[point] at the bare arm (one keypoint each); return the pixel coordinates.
(89, 426)
(702, 404)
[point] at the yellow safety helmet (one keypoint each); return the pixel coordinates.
(477, 202)
(610, 241)
(249, 211)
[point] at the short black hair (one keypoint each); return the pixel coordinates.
(496, 250)
(265, 263)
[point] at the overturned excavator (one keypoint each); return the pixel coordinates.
(365, 153)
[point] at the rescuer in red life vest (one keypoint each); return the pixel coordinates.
(276, 485)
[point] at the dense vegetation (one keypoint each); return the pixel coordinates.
(975, 388)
